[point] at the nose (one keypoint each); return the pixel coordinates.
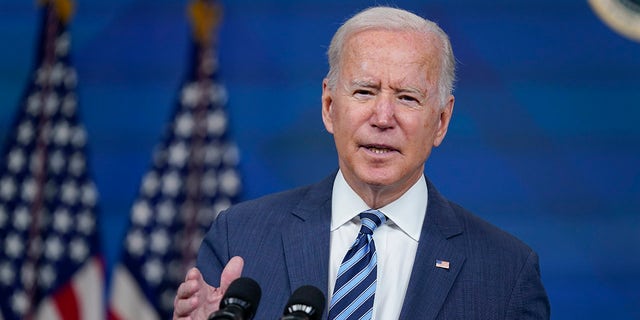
(383, 115)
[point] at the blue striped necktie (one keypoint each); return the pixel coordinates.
(355, 286)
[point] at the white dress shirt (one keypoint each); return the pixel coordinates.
(396, 241)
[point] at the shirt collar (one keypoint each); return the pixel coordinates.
(407, 212)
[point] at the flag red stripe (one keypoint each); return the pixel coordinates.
(112, 315)
(67, 302)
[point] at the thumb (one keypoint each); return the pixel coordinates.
(232, 271)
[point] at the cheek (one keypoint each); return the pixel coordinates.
(431, 122)
(421, 134)
(417, 123)
(340, 125)
(349, 118)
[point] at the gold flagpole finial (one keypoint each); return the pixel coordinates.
(205, 17)
(63, 8)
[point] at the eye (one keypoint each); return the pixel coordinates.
(408, 98)
(363, 92)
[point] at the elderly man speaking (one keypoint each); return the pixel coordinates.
(376, 236)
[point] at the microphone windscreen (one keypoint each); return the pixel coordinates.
(245, 289)
(308, 296)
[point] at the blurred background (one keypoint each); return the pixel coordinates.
(544, 141)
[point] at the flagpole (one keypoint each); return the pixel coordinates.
(192, 179)
(205, 19)
(51, 264)
(51, 25)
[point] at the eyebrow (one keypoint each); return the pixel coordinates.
(411, 90)
(360, 83)
(364, 83)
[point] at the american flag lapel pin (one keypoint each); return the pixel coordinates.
(442, 264)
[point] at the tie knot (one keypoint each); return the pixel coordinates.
(371, 219)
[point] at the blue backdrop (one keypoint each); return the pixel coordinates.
(544, 140)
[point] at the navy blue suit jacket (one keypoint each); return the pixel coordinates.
(284, 240)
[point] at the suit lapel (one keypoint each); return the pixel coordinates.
(306, 239)
(430, 284)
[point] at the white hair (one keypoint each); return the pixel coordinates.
(393, 19)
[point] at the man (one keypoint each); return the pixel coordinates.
(387, 100)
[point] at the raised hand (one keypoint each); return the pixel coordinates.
(196, 299)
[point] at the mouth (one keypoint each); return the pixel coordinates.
(379, 149)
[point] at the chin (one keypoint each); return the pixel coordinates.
(378, 178)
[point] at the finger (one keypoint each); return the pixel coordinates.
(193, 274)
(187, 289)
(184, 307)
(192, 283)
(232, 271)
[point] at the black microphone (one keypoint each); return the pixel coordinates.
(240, 302)
(306, 303)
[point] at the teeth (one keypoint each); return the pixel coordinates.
(378, 150)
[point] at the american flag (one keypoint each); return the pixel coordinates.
(193, 177)
(442, 264)
(50, 263)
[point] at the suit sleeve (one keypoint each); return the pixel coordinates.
(528, 299)
(213, 254)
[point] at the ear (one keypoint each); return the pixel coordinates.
(443, 124)
(327, 106)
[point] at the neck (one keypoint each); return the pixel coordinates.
(378, 196)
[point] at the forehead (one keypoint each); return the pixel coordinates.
(392, 52)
